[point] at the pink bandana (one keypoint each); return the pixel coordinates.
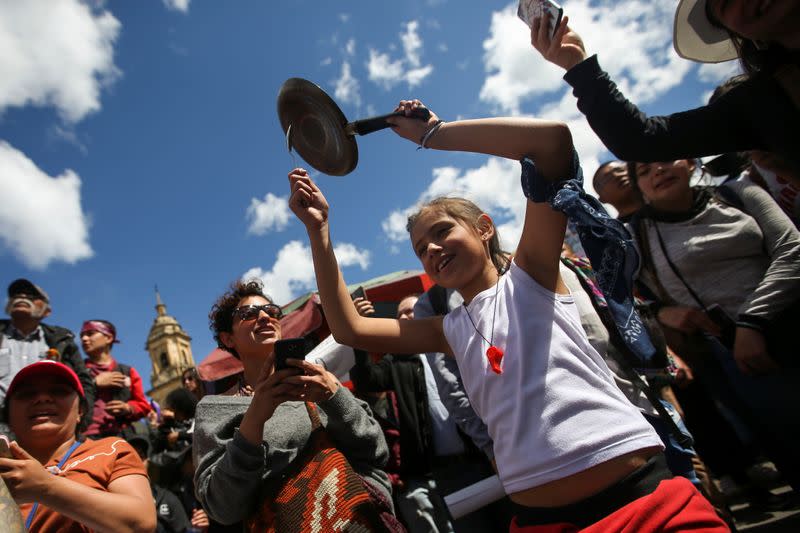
(101, 327)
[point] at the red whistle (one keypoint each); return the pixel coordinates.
(495, 355)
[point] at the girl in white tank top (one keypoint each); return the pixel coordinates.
(565, 437)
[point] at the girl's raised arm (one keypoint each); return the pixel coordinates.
(346, 325)
(547, 143)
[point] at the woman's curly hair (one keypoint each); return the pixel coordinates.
(220, 319)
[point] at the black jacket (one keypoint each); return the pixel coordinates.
(63, 341)
(404, 375)
(757, 114)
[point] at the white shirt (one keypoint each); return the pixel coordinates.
(555, 410)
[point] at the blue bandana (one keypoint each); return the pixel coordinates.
(607, 244)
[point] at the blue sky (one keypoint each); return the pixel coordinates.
(139, 143)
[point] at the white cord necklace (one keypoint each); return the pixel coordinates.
(493, 353)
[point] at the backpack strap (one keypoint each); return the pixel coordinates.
(725, 194)
(124, 369)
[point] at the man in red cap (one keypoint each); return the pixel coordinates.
(120, 398)
(24, 339)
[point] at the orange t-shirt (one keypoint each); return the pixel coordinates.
(95, 464)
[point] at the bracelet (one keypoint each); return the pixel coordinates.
(428, 134)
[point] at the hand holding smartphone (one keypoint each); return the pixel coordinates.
(5, 451)
(290, 349)
(529, 10)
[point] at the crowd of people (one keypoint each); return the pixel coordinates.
(640, 383)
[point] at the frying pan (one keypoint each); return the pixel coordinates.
(316, 127)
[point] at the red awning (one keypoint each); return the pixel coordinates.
(217, 365)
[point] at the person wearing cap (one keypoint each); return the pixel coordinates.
(24, 339)
(762, 113)
(62, 483)
(120, 398)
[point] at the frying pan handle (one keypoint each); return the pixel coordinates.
(369, 125)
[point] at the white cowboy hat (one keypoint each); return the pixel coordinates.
(695, 38)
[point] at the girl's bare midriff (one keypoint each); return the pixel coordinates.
(578, 486)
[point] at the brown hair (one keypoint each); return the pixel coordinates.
(467, 212)
(220, 318)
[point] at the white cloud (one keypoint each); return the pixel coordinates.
(412, 43)
(270, 214)
(347, 86)
(633, 37)
(292, 274)
(388, 72)
(494, 187)
(350, 47)
(344, 17)
(56, 52)
(383, 71)
(516, 72)
(326, 61)
(41, 219)
(177, 5)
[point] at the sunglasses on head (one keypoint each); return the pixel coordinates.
(250, 312)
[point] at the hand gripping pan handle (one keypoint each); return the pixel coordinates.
(372, 124)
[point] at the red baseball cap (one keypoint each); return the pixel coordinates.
(46, 367)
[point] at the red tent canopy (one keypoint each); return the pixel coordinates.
(305, 317)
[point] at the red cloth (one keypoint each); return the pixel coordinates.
(101, 420)
(674, 506)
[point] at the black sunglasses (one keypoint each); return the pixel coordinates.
(250, 312)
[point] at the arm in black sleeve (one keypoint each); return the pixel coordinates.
(371, 377)
(725, 126)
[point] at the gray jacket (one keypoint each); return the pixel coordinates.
(232, 474)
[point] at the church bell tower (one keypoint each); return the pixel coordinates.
(170, 351)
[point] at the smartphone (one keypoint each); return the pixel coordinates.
(529, 10)
(5, 451)
(359, 293)
(726, 324)
(296, 348)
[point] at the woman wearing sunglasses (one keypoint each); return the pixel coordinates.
(246, 439)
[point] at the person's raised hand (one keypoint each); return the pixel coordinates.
(306, 200)
(750, 352)
(271, 389)
(687, 319)
(26, 478)
(565, 48)
(318, 384)
(409, 127)
(363, 306)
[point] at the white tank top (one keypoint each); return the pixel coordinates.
(555, 410)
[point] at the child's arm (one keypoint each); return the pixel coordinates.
(547, 143)
(347, 326)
